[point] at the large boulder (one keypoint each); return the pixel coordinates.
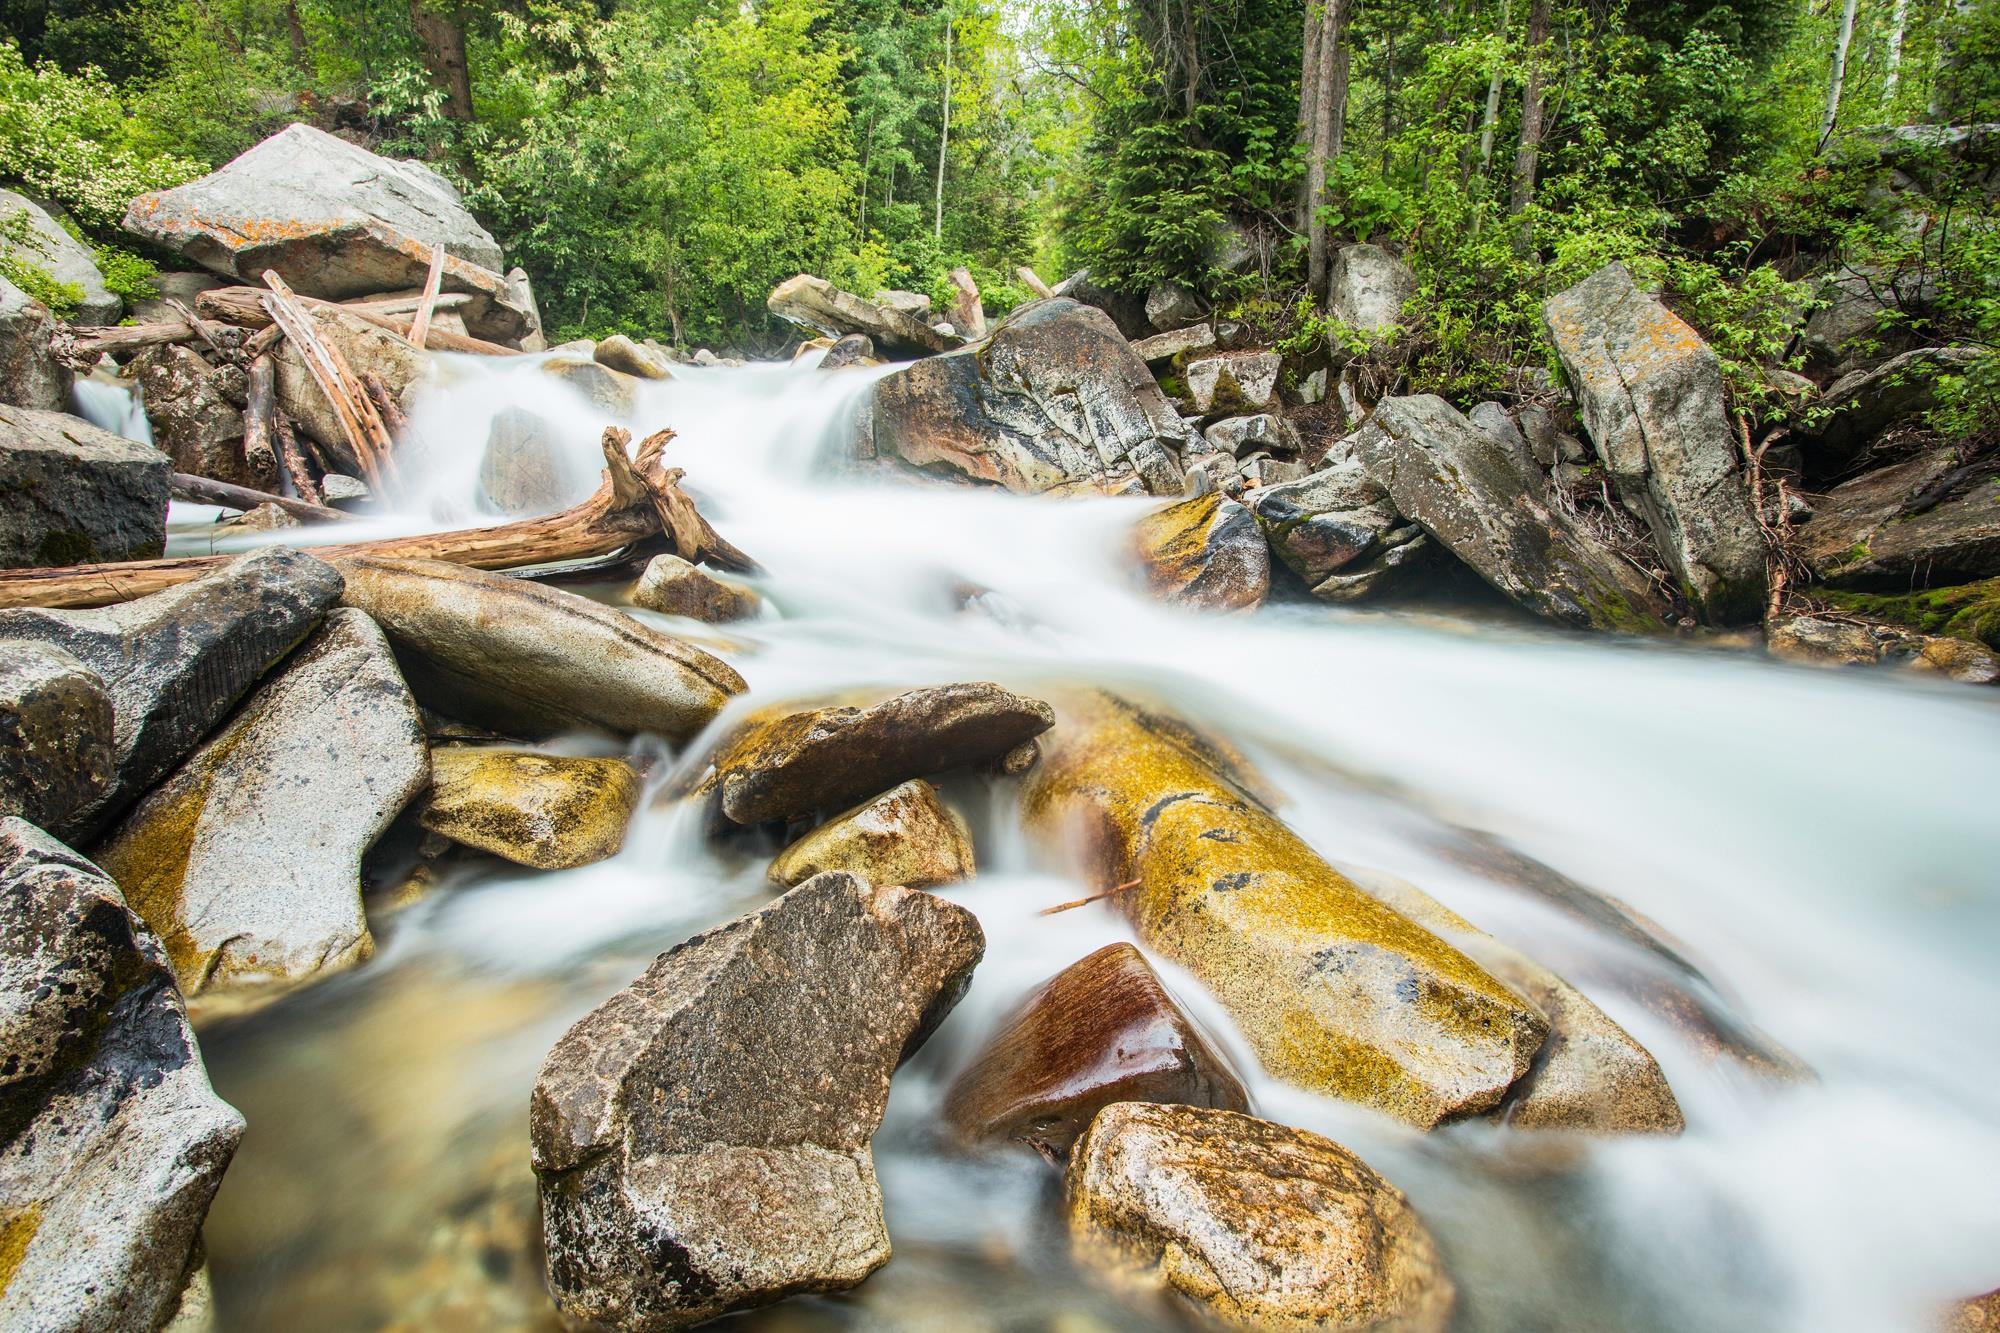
(1206, 552)
(30, 375)
(1931, 520)
(521, 471)
(56, 734)
(817, 304)
(1459, 483)
(677, 1186)
(1331, 524)
(1368, 290)
(639, 360)
(64, 258)
(334, 220)
(1102, 1030)
(247, 861)
(1126, 311)
(176, 662)
(1861, 316)
(1650, 391)
(905, 836)
(77, 494)
(368, 351)
(523, 658)
(780, 764)
(1243, 436)
(1252, 1224)
(1170, 306)
(196, 411)
(115, 1142)
(552, 812)
(1055, 395)
(1335, 991)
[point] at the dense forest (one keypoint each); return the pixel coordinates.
(657, 165)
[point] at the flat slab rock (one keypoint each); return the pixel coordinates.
(1253, 1224)
(1918, 523)
(702, 1138)
(114, 1140)
(77, 494)
(817, 304)
(780, 765)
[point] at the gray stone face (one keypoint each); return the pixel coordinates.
(817, 304)
(1055, 395)
(56, 738)
(63, 258)
(854, 349)
(247, 861)
(1126, 311)
(30, 375)
(1175, 342)
(1445, 473)
(1331, 519)
(195, 421)
(1859, 320)
(1368, 288)
(184, 287)
(1170, 305)
(1234, 381)
(751, 1178)
(1860, 406)
(1925, 522)
(521, 472)
(1243, 436)
(1650, 391)
(114, 1140)
(176, 662)
(76, 494)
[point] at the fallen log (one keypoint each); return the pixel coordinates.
(1033, 281)
(80, 349)
(359, 420)
(294, 459)
(187, 486)
(629, 506)
(244, 306)
(258, 448)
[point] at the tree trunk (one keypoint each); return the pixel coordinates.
(442, 42)
(1839, 78)
(1309, 95)
(295, 33)
(1534, 103)
(1329, 127)
(944, 136)
(1492, 121)
(1892, 60)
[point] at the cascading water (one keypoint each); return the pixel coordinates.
(1821, 846)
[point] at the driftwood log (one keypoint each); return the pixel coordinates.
(260, 410)
(639, 498)
(360, 421)
(244, 306)
(294, 458)
(187, 486)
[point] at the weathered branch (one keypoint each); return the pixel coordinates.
(187, 486)
(262, 404)
(80, 349)
(420, 326)
(359, 421)
(244, 306)
(294, 458)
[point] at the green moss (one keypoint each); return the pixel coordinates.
(1969, 611)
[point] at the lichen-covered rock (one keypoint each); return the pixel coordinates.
(1328, 520)
(1055, 395)
(30, 375)
(1102, 1030)
(1206, 552)
(195, 420)
(56, 740)
(247, 861)
(76, 494)
(175, 662)
(1368, 289)
(672, 586)
(115, 1141)
(368, 351)
(906, 836)
(1170, 305)
(1234, 381)
(817, 304)
(1825, 641)
(1928, 521)
(548, 811)
(1175, 342)
(1254, 1225)
(521, 471)
(64, 258)
(1453, 478)
(1860, 406)
(676, 1185)
(1243, 436)
(1650, 391)
(530, 660)
(781, 764)
(1821, 641)
(1334, 990)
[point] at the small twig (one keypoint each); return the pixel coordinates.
(1126, 887)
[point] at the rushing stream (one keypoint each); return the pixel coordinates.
(1823, 846)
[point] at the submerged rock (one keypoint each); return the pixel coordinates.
(905, 836)
(611, 392)
(1650, 391)
(76, 494)
(57, 744)
(1206, 552)
(817, 304)
(677, 1186)
(1335, 991)
(542, 810)
(1055, 395)
(247, 862)
(521, 471)
(115, 1142)
(526, 659)
(1458, 482)
(1931, 520)
(1253, 1224)
(674, 587)
(780, 765)
(175, 662)
(1102, 1030)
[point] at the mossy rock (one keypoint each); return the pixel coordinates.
(1969, 611)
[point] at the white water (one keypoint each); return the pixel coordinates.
(1822, 845)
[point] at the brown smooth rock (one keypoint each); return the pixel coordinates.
(1255, 1225)
(674, 587)
(1206, 552)
(548, 811)
(779, 765)
(1102, 1030)
(907, 836)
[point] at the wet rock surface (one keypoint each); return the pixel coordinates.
(1253, 1224)
(752, 1179)
(1334, 990)
(1102, 1030)
(114, 1140)
(76, 494)
(175, 662)
(528, 660)
(247, 861)
(1329, 520)
(780, 765)
(551, 812)
(521, 471)
(639, 360)
(672, 586)
(1205, 552)
(906, 836)
(57, 745)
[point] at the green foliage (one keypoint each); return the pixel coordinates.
(126, 275)
(20, 247)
